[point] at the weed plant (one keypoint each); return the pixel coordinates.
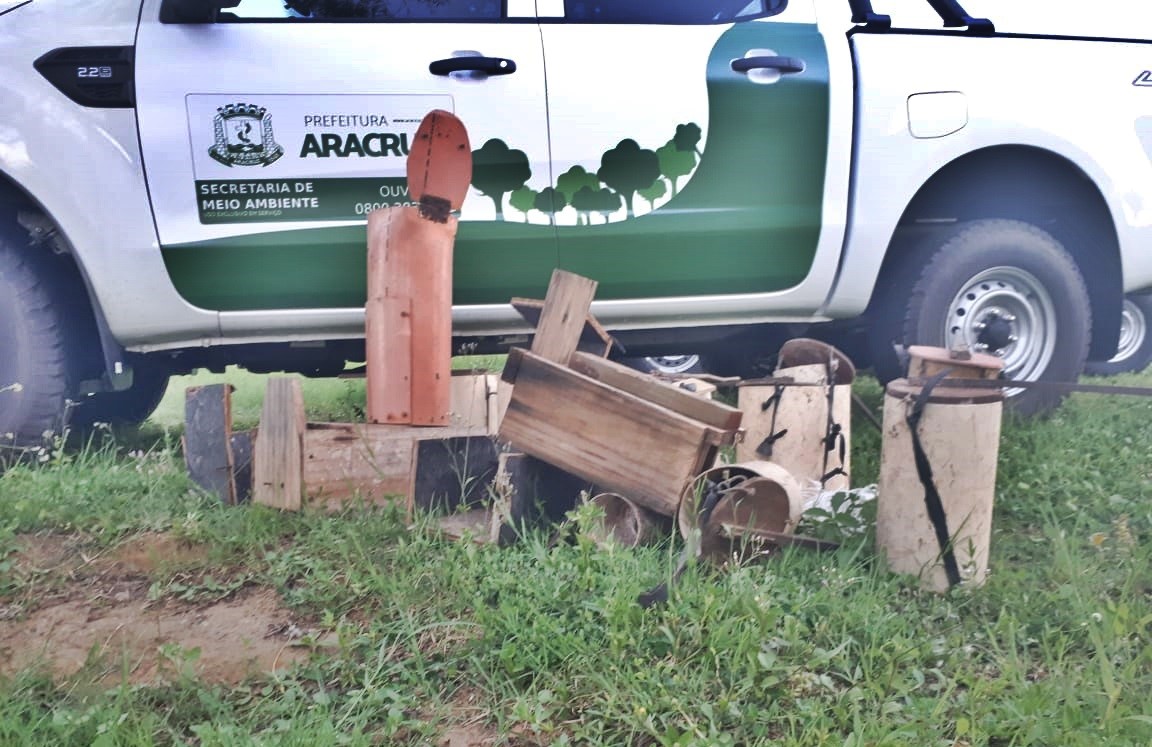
(543, 643)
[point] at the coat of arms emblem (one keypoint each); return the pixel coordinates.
(243, 135)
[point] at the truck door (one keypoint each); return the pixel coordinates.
(268, 136)
(689, 141)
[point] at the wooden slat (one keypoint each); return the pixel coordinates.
(617, 440)
(710, 412)
(432, 320)
(474, 401)
(207, 439)
(408, 324)
(562, 319)
(512, 365)
(593, 337)
(278, 455)
(388, 388)
(388, 321)
(365, 461)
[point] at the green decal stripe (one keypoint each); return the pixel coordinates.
(326, 267)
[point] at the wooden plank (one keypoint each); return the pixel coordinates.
(387, 320)
(562, 319)
(696, 387)
(432, 321)
(278, 455)
(388, 348)
(364, 461)
(207, 439)
(474, 401)
(512, 365)
(620, 442)
(450, 473)
(593, 337)
(409, 258)
(645, 386)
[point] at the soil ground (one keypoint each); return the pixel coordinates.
(95, 612)
(91, 617)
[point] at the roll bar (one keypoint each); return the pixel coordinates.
(950, 11)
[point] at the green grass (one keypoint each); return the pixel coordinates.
(546, 646)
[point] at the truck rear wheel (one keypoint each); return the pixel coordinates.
(1003, 287)
(33, 366)
(1134, 352)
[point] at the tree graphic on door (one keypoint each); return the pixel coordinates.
(625, 171)
(498, 170)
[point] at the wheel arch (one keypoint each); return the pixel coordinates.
(1036, 186)
(22, 214)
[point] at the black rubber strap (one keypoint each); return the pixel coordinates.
(765, 447)
(834, 432)
(932, 499)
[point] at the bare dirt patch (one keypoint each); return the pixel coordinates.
(91, 613)
(74, 558)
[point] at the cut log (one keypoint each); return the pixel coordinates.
(207, 439)
(805, 428)
(627, 523)
(278, 475)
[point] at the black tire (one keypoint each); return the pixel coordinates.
(128, 407)
(34, 380)
(1000, 286)
(1135, 350)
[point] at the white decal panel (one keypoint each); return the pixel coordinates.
(301, 157)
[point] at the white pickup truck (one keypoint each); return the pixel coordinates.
(184, 183)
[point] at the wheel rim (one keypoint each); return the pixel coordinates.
(1133, 330)
(673, 364)
(1009, 313)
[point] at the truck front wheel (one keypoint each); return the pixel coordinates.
(33, 364)
(128, 407)
(995, 286)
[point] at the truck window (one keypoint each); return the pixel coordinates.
(370, 10)
(671, 12)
